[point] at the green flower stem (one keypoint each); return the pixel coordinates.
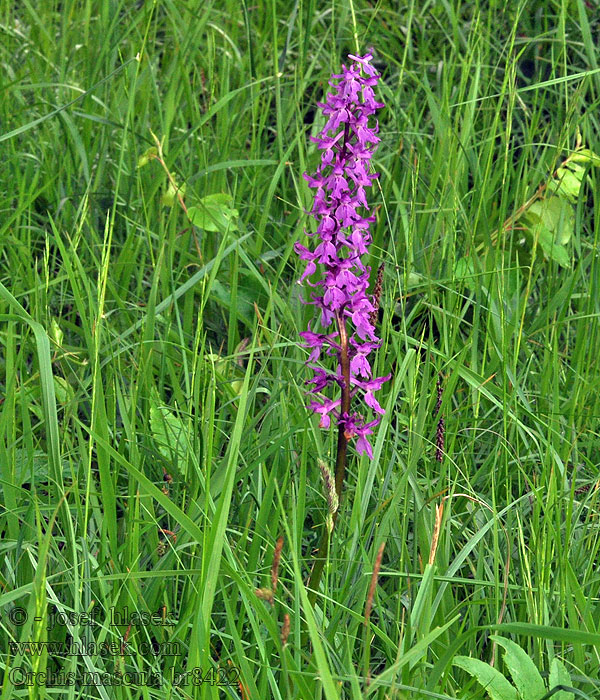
(340, 465)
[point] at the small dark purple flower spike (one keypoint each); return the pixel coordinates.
(340, 207)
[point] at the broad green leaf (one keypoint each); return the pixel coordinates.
(415, 279)
(56, 333)
(577, 170)
(585, 155)
(559, 676)
(551, 221)
(236, 387)
(225, 370)
(32, 468)
(63, 390)
(567, 181)
(169, 196)
(214, 212)
(526, 677)
(244, 306)
(558, 253)
(495, 684)
(147, 156)
(556, 215)
(220, 364)
(464, 270)
(169, 433)
(557, 634)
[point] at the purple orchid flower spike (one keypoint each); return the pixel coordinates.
(347, 311)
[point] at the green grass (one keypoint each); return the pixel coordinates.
(154, 437)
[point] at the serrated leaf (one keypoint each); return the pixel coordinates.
(526, 677)
(214, 213)
(585, 155)
(495, 684)
(146, 157)
(559, 676)
(169, 433)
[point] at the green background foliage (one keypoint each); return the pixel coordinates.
(154, 437)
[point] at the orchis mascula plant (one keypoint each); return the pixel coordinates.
(348, 312)
(347, 142)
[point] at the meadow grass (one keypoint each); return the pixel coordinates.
(154, 437)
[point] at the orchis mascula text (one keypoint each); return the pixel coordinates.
(340, 206)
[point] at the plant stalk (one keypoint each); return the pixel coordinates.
(340, 463)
